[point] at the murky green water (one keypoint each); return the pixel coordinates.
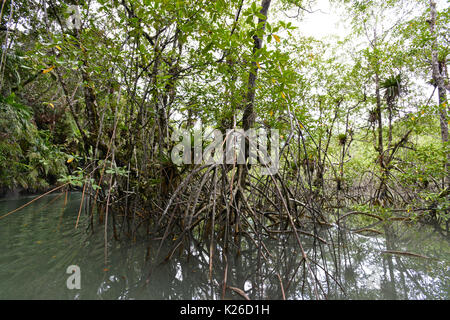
(38, 243)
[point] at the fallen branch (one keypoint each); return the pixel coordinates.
(30, 202)
(402, 253)
(367, 230)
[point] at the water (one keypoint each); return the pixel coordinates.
(39, 242)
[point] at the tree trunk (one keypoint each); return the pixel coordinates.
(248, 118)
(438, 80)
(381, 192)
(379, 119)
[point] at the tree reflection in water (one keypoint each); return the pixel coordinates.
(349, 266)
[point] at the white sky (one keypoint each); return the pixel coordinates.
(325, 20)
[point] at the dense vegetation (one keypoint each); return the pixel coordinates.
(362, 120)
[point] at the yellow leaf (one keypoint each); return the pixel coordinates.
(273, 80)
(58, 47)
(282, 94)
(412, 118)
(277, 38)
(48, 70)
(271, 113)
(257, 63)
(70, 160)
(51, 105)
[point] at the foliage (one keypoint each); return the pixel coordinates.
(27, 157)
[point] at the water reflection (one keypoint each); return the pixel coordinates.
(39, 242)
